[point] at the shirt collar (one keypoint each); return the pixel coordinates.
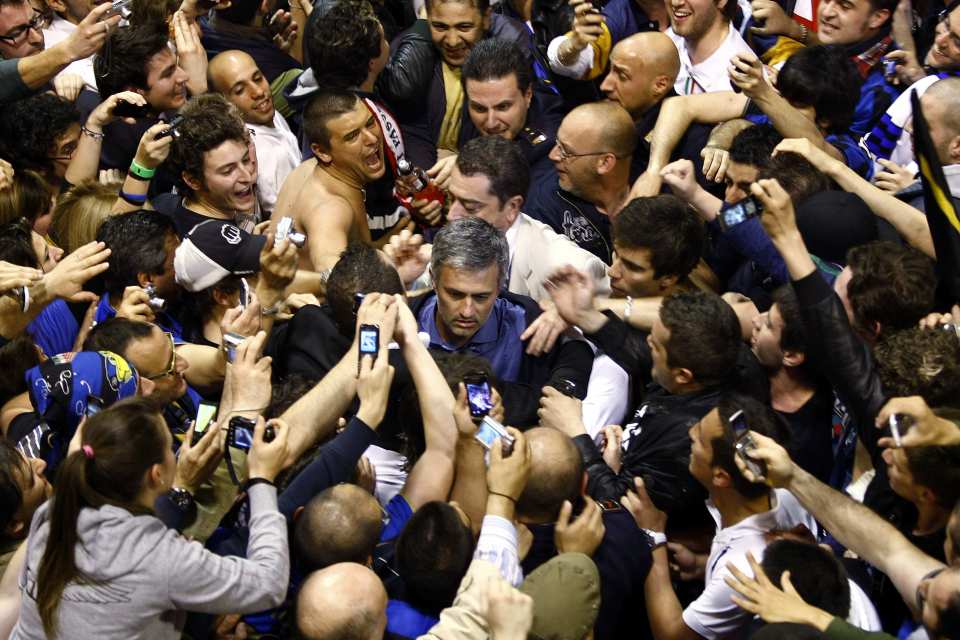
(489, 331)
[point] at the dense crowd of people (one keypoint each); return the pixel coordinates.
(443, 319)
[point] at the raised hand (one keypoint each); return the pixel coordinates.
(584, 534)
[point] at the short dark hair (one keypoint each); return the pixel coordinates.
(822, 77)
(330, 530)
(340, 43)
(480, 5)
(495, 58)
(704, 335)
(29, 129)
(433, 553)
(793, 336)
(116, 334)
(16, 244)
(938, 469)
(12, 464)
(209, 120)
(122, 63)
(799, 178)
(888, 5)
(360, 269)
(137, 242)
(759, 418)
(892, 285)
(920, 362)
(817, 575)
(754, 145)
(666, 227)
(729, 10)
(501, 161)
(323, 108)
(16, 358)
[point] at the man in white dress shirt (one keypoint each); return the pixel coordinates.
(235, 75)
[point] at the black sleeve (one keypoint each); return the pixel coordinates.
(407, 76)
(334, 464)
(602, 482)
(840, 355)
(625, 345)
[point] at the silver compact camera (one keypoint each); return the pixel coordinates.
(122, 8)
(156, 302)
(286, 231)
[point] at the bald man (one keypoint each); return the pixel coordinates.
(345, 600)
(237, 77)
(557, 475)
(643, 71)
(592, 159)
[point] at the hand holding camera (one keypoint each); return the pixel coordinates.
(268, 449)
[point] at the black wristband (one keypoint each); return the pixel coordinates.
(255, 481)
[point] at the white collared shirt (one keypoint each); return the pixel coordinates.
(711, 74)
(278, 154)
(713, 614)
(58, 31)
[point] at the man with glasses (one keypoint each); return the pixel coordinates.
(31, 65)
(592, 157)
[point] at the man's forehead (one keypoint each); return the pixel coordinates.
(472, 187)
(346, 122)
(493, 89)
(473, 281)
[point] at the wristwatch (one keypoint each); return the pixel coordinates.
(656, 538)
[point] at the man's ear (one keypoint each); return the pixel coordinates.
(666, 283)
(528, 95)
(296, 513)
(878, 18)
(721, 478)
(513, 207)
(662, 85)
(486, 19)
(681, 376)
(583, 484)
(321, 154)
(953, 149)
(191, 181)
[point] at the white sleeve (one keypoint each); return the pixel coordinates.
(578, 69)
(606, 401)
(714, 615)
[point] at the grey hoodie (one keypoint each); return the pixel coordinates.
(142, 577)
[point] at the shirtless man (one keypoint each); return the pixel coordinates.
(325, 195)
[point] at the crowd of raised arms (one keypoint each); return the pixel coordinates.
(469, 319)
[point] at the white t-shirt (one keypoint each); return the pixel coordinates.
(713, 614)
(711, 74)
(278, 154)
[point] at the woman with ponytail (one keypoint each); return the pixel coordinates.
(101, 565)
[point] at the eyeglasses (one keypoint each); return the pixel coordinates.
(172, 365)
(566, 155)
(67, 152)
(15, 37)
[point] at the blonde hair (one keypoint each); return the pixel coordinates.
(79, 213)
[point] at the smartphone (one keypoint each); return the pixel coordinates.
(130, 110)
(478, 394)
(609, 505)
(744, 444)
(172, 129)
(566, 387)
(369, 342)
(489, 430)
(230, 343)
(205, 414)
(738, 212)
(244, 293)
(900, 424)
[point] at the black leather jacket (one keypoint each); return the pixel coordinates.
(412, 84)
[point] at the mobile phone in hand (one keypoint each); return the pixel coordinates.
(369, 342)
